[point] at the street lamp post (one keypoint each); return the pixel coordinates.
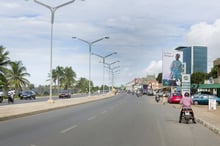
(103, 61)
(109, 68)
(90, 49)
(113, 75)
(52, 10)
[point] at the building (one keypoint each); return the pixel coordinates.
(195, 58)
(150, 80)
(216, 63)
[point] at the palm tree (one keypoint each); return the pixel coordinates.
(16, 75)
(60, 73)
(69, 77)
(4, 61)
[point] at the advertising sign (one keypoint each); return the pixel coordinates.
(212, 104)
(172, 68)
(186, 83)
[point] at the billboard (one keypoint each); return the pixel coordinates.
(172, 68)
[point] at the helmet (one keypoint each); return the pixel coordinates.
(186, 94)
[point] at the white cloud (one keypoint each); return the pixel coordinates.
(206, 34)
(154, 68)
(138, 31)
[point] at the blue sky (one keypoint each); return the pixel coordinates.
(138, 31)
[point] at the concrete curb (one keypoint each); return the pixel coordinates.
(204, 123)
(208, 125)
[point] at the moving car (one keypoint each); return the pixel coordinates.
(175, 97)
(29, 94)
(204, 99)
(64, 94)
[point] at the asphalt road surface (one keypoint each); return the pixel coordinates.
(123, 120)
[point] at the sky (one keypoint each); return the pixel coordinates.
(139, 31)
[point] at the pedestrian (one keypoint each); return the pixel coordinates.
(164, 99)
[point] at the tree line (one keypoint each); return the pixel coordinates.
(13, 75)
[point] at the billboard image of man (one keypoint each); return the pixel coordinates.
(176, 69)
(172, 68)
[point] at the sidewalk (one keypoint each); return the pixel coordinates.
(19, 110)
(206, 117)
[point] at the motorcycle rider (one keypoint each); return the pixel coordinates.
(11, 94)
(186, 102)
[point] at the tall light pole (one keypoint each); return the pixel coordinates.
(103, 61)
(90, 52)
(114, 71)
(52, 10)
(109, 68)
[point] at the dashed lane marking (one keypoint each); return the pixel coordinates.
(92, 118)
(68, 129)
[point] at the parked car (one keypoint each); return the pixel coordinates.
(204, 99)
(175, 97)
(64, 94)
(29, 94)
(201, 92)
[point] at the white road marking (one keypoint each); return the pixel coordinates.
(68, 129)
(91, 118)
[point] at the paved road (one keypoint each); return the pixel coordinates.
(123, 120)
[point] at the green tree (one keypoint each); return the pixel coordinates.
(64, 77)
(4, 62)
(68, 77)
(16, 75)
(198, 77)
(83, 85)
(57, 75)
(213, 72)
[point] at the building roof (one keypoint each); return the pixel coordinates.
(180, 48)
(205, 86)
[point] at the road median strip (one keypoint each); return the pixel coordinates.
(20, 110)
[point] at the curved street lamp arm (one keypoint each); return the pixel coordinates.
(114, 62)
(115, 67)
(99, 40)
(43, 4)
(110, 54)
(98, 55)
(64, 4)
(82, 40)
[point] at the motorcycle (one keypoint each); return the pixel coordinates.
(139, 92)
(157, 98)
(187, 114)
